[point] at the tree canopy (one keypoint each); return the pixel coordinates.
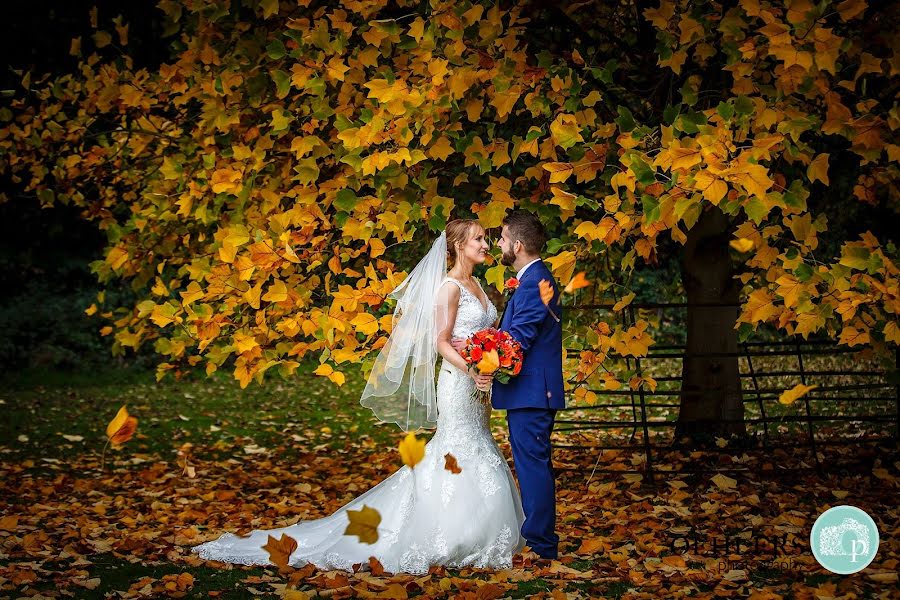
(266, 187)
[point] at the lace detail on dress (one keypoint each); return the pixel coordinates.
(429, 516)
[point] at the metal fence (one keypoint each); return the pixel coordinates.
(854, 404)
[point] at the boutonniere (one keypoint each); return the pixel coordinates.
(511, 285)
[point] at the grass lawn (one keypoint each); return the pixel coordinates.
(270, 455)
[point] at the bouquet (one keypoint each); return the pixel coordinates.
(493, 351)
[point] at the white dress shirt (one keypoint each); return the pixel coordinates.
(522, 270)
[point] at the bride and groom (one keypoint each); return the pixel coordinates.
(471, 515)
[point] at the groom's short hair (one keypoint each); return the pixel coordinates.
(528, 229)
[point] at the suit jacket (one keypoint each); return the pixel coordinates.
(540, 382)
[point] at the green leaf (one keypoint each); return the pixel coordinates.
(625, 120)
(725, 110)
(276, 49)
(650, 208)
(282, 83)
(642, 170)
(346, 200)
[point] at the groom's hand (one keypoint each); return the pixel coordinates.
(458, 344)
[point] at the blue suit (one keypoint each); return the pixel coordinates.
(531, 400)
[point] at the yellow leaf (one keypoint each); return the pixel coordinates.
(277, 292)
(337, 378)
(565, 132)
(559, 172)
(122, 427)
(563, 199)
(685, 158)
(592, 98)
(280, 550)
(365, 323)
(892, 332)
(492, 215)
(577, 282)
(713, 188)
(376, 247)
(625, 301)
(818, 169)
(494, 275)
(243, 342)
(795, 393)
(490, 362)
(116, 258)
(562, 265)
(742, 245)
(324, 369)
(412, 450)
(417, 29)
(441, 149)
(363, 524)
(117, 422)
(226, 180)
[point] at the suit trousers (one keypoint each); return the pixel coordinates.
(529, 435)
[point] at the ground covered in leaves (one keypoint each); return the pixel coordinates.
(209, 457)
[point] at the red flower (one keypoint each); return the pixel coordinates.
(511, 284)
(475, 354)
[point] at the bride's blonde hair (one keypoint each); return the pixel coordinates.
(458, 231)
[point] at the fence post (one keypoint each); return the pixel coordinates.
(809, 425)
(647, 448)
(762, 407)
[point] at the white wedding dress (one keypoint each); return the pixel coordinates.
(429, 515)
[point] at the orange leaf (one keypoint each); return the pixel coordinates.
(590, 546)
(546, 291)
(122, 427)
(577, 282)
(451, 465)
(280, 550)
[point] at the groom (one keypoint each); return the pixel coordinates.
(532, 398)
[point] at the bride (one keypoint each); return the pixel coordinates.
(429, 515)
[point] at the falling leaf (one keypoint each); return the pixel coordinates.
(576, 283)
(742, 245)
(795, 393)
(451, 465)
(364, 524)
(122, 427)
(412, 450)
(546, 290)
(280, 549)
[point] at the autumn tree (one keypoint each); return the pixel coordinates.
(266, 188)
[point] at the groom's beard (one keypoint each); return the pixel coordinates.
(507, 259)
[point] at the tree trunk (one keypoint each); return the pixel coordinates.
(711, 385)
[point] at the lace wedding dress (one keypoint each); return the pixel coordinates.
(429, 515)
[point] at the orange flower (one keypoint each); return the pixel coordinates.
(511, 284)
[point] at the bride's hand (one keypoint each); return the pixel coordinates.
(458, 344)
(482, 382)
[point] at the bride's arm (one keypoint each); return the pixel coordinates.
(447, 304)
